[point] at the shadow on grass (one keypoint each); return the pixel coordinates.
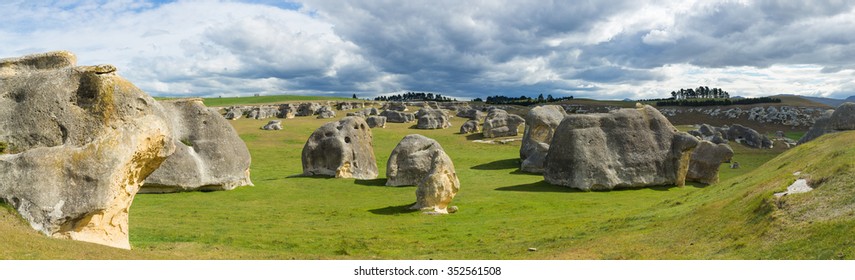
(475, 136)
(381, 182)
(393, 210)
(499, 164)
(318, 176)
(540, 186)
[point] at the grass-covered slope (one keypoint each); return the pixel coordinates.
(503, 212)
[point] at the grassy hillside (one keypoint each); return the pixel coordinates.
(229, 101)
(502, 211)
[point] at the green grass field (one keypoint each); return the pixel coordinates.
(503, 212)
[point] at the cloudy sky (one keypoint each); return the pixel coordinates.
(597, 49)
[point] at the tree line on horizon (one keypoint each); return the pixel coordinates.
(415, 96)
(701, 92)
(522, 100)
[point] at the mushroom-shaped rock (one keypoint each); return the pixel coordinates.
(840, 119)
(705, 161)
(432, 119)
(341, 149)
(209, 154)
(500, 124)
(81, 141)
(398, 117)
(470, 126)
(540, 125)
(624, 148)
(376, 121)
(421, 161)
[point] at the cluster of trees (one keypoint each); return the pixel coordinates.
(717, 102)
(522, 100)
(415, 96)
(700, 92)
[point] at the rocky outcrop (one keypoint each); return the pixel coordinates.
(540, 125)
(308, 109)
(470, 126)
(326, 112)
(262, 112)
(706, 160)
(472, 114)
(421, 161)
(287, 111)
(341, 149)
(376, 121)
(273, 125)
(710, 133)
(624, 148)
(398, 117)
(209, 155)
(234, 113)
(747, 136)
(840, 119)
(396, 106)
(80, 141)
(500, 124)
(783, 115)
(432, 119)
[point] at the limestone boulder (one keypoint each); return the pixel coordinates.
(840, 119)
(706, 160)
(397, 106)
(80, 141)
(421, 161)
(540, 125)
(308, 109)
(326, 112)
(233, 113)
(341, 149)
(376, 121)
(499, 123)
(748, 137)
(470, 126)
(432, 119)
(287, 111)
(626, 148)
(398, 116)
(472, 114)
(273, 125)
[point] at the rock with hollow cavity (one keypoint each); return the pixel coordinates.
(209, 154)
(421, 161)
(500, 124)
(624, 148)
(81, 141)
(341, 149)
(706, 160)
(540, 125)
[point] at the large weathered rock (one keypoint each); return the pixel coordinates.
(500, 124)
(398, 117)
(432, 119)
(472, 114)
(705, 161)
(341, 149)
(287, 111)
(273, 125)
(308, 109)
(421, 161)
(840, 119)
(397, 106)
(710, 133)
(624, 148)
(209, 155)
(376, 121)
(326, 112)
(470, 126)
(81, 140)
(233, 113)
(748, 137)
(262, 112)
(540, 125)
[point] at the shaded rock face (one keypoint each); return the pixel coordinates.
(432, 119)
(233, 113)
(706, 160)
(326, 113)
(540, 125)
(344, 106)
(81, 140)
(341, 149)
(262, 112)
(398, 117)
(273, 125)
(308, 109)
(397, 106)
(470, 126)
(287, 111)
(840, 119)
(376, 121)
(209, 155)
(500, 124)
(624, 148)
(472, 114)
(421, 161)
(748, 137)
(710, 133)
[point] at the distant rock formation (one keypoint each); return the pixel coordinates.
(80, 141)
(326, 112)
(706, 160)
(376, 121)
(273, 125)
(840, 119)
(624, 148)
(287, 111)
(500, 124)
(472, 114)
(748, 137)
(398, 116)
(470, 126)
(308, 109)
(341, 149)
(421, 161)
(432, 119)
(540, 125)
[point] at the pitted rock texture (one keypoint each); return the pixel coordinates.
(421, 161)
(540, 125)
(209, 154)
(706, 160)
(81, 141)
(308, 109)
(500, 124)
(341, 149)
(623, 149)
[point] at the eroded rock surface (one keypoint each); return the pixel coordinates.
(540, 125)
(398, 117)
(421, 161)
(341, 149)
(706, 160)
(624, 148)
(500, 124)
(432, 119)
(840, 119)
(470, 126)
(376, 121)
(80, 141)
(273, 125)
